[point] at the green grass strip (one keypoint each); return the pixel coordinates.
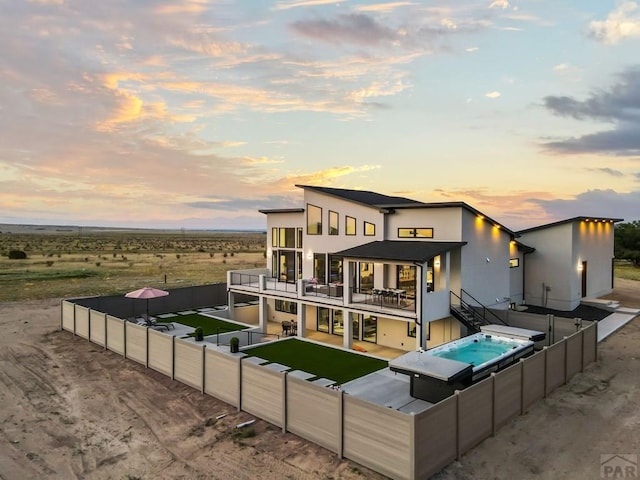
(338, 365)
(210, 326)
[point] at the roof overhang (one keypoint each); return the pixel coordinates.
(282, 210)
(572, 220)
(400, 250)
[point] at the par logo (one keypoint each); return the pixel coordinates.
(619, 466)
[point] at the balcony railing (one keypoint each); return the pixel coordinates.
(384, 298)
(245, 279)
(274, 284)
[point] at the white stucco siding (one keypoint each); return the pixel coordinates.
(326, 243)
(446, 223)
(282, 220)
(516, 279)
(593, 243)
(484, 265)
(551, 267)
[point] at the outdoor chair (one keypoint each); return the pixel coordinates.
(155, 325)
(286, 328)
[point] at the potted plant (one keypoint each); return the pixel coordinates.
(234, 344)
(199, 335)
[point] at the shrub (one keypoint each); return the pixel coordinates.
(17, 255)
(198, 334)
(49, 263)
(97, 264)
(234, 344)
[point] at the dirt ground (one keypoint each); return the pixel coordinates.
(69, 409)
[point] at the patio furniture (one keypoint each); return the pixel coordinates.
(286, 328)
(294, 327)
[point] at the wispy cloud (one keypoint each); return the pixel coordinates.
(383, 7)
(623, 22)
(619, 105)
(303, 3)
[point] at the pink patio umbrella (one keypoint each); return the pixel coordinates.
(146, 293)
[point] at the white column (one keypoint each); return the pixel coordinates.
(231, 304)
(262, 315)
(347, 334)
(346, 282)
(301, 319)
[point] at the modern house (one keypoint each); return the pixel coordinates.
(573, 259)
(407, 274)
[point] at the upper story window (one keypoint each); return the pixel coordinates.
(274, 237)
(333, 223)
(369, 229)
(299, 237)
(415, 232)
(314, 220)
(287, 237)
(350, 225)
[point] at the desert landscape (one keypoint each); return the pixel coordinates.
(73, 410)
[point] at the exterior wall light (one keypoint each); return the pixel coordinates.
(580, 267)
(436, 263)
(310, 255)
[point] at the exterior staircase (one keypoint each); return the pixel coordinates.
(471, 313)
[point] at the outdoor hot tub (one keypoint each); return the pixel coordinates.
(437, 373)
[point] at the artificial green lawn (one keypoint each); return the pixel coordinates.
(338, 365)
(210, 326)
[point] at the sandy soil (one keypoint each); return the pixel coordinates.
(72, 410)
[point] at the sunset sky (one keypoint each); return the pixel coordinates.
(196, 113)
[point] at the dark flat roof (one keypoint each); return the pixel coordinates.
(282, 210)
(365, 197)
(400, 250)
(571, 220)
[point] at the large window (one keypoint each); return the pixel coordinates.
(369, 229)
(323, 319)
(350, 225)
(366, 276)
(337, 323)
(407, 279)
(333, 223)
(335, 269)
(299, 264)
(320, 267)
(370, 329)
(287, 266)
(287, 237)
(415, 232)
(274, 237)
(314, 220)
(286, 306)
(299, 237)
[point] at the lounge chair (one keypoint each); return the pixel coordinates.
(147, 322)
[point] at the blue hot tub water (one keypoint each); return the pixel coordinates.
(478, 350)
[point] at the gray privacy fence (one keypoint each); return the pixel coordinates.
(178, 299)
(396, 444)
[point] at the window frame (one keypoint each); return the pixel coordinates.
(334, 216)
(412, 232)
(310, 206)
(366, 233)
(347, 224)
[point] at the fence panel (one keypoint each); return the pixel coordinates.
(97, 327)
(436, 437)
(82, 321)
(556, 368)
(475, 414)
(379, 438)
(533, 374)
(574, 354)
(115, 334)
(136, 336)
(590, 344)
(68, 315)
(160, 352)
(189, 364)
(507, 395)
(222, 376)
(263, 393)
(313, 412)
